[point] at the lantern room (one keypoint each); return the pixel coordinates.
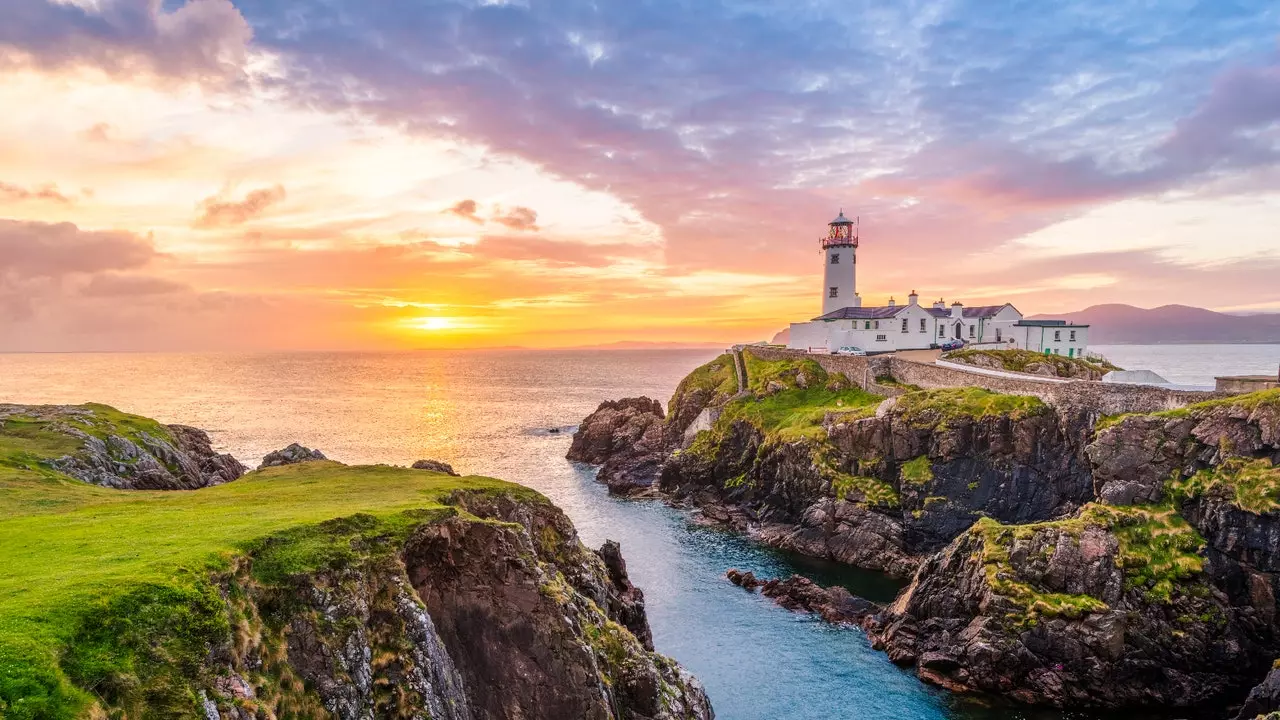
(841, 232)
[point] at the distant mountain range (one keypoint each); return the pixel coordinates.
(1128, 325)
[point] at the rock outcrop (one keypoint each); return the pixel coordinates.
(434, 466)
(625, 437)
(835, 605)
(1263, 699)
(289, 455)
(103, 446)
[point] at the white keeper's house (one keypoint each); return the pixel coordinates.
(845, 323)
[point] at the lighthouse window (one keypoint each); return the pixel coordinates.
(904, 324)
(834, 292)
(922, 325)
(835, 259)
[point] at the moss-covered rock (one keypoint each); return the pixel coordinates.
(1034, 363)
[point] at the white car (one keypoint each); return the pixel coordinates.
(849, 350)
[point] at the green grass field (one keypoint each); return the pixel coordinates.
(73, 554)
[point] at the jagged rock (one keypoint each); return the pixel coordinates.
(294, 453)
(626, 438)
(745, 580)
(434, 466)
(216, 467)
(1264, 698)
(835, 605)
(128, 452)
(627, 602)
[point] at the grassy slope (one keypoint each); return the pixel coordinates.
(73, 551)
(1018, 360)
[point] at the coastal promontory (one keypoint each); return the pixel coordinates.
(1056, 555)
(310, 589)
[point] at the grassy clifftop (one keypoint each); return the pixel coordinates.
(90, 575)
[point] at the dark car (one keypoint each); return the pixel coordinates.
(952, 344)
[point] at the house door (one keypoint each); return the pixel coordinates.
(959, 330)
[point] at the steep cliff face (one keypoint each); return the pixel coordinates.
(1162, 594)
(626, 438)
(880, 490)
(495, 611)
(310, 589)
(1112, 608)
(100, 445)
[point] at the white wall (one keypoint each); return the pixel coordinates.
(1070, 340)
(842, 276)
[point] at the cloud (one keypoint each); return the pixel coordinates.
(13, 193)
(466, 209)
(518, 218)
(217, 212)
(117, 285)
(201, 39)
(51, 250)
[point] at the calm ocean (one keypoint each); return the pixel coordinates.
(490, 413)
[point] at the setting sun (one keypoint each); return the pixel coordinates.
(432, 323)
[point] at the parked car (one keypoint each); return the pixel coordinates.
(849, 350)
(952, 344)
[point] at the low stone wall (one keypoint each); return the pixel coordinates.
(1104, 398)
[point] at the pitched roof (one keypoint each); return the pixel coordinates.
(977, 311)
(863, 313)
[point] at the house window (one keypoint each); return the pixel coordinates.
(867, 326)
(998, 338)
(923, 326)
(834, 292)
(835, 259)
(1057, 335)
(882, 338)
(942, 331)
(877, 324)
(904, 324)
(971, 330)
(1073, 336)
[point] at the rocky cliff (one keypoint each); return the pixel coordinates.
(1057, 558)
(100, 445)
(309, 589)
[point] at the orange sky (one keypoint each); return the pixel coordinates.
(220, 206)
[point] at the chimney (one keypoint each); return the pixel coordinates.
(913, 298)
(892, 303)
(957, 310)
(940, 305)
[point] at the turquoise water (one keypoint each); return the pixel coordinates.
(491, 413)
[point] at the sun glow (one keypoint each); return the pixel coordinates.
(432, 323)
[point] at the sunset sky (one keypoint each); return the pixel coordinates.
(392, 174)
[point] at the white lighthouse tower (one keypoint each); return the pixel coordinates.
(840, 259)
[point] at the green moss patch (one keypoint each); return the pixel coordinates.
(1158, 553)
(863, 489)
(1252, 485)
(1020, 360)
(105, 586)
(1158, 548)
(1248, 403)
(917, 471)
(939, 408)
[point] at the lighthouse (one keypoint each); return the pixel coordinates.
(840, 260)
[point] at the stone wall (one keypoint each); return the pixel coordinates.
(1104, 398)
